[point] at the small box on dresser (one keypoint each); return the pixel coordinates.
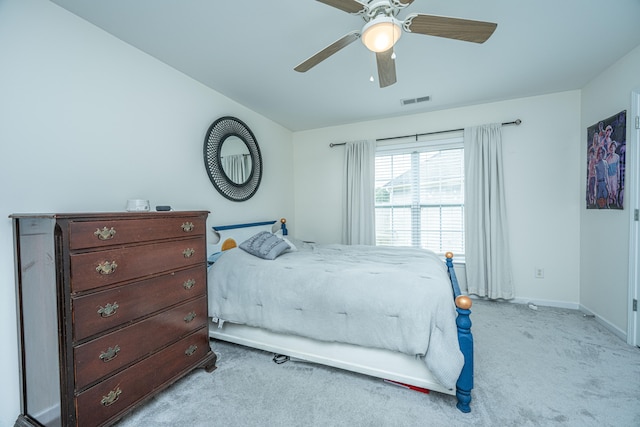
(112, 308)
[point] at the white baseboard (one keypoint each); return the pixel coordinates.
(574, 306)
(49, 416)
(610, 326)
(571, 306)
(547, 303)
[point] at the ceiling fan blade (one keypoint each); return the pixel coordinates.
(349, 6)
(451, 28)
(386, 68)
(327, 52)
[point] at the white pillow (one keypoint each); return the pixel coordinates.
(292, 247)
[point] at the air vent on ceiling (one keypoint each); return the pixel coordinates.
(410, 101)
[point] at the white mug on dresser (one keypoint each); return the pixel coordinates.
(137, 205)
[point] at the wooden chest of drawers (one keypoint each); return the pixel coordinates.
(112, 309)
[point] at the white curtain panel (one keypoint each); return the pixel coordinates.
(358, 214)
(488, 261)
(236, 167)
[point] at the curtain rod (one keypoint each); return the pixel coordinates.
(515, 122)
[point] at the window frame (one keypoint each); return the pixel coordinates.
(426, 143)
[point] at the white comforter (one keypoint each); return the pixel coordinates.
(386, 297)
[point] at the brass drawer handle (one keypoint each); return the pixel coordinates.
(187, 226)
(111, 398)
(189, 317)
(107, 267)
(110, 354)
(108, 310)
(189, 284)
(191, 350)
(105, 233)
(188, 253)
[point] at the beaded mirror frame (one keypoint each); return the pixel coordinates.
(219, 131)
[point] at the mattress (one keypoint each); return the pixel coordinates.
(398, 299)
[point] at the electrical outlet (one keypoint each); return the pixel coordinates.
(539, 273)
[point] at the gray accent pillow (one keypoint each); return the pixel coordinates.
(264, 245)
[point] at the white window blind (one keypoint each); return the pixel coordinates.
(420, 195)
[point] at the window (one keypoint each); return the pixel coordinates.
(420, 195)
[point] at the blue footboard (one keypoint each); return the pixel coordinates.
(465, 339)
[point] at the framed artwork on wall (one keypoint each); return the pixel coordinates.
(606, 151)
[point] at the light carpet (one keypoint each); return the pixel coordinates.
(545, 367)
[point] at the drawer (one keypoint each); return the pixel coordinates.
(100, 233)
(100, 311)
(101, 268)
(112, 397)
(102, 356)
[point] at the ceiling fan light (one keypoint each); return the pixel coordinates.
(380, 34)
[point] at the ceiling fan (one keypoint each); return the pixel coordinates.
(382, 30)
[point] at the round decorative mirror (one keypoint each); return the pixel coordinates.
(232, 159)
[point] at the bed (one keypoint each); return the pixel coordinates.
(387, 312)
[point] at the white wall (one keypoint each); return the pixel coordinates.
(542, 171)
(87, 122)
(604, 256)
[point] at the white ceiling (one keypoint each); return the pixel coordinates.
(247, 49)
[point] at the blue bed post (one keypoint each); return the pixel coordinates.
(283, 226)
(465, 339)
